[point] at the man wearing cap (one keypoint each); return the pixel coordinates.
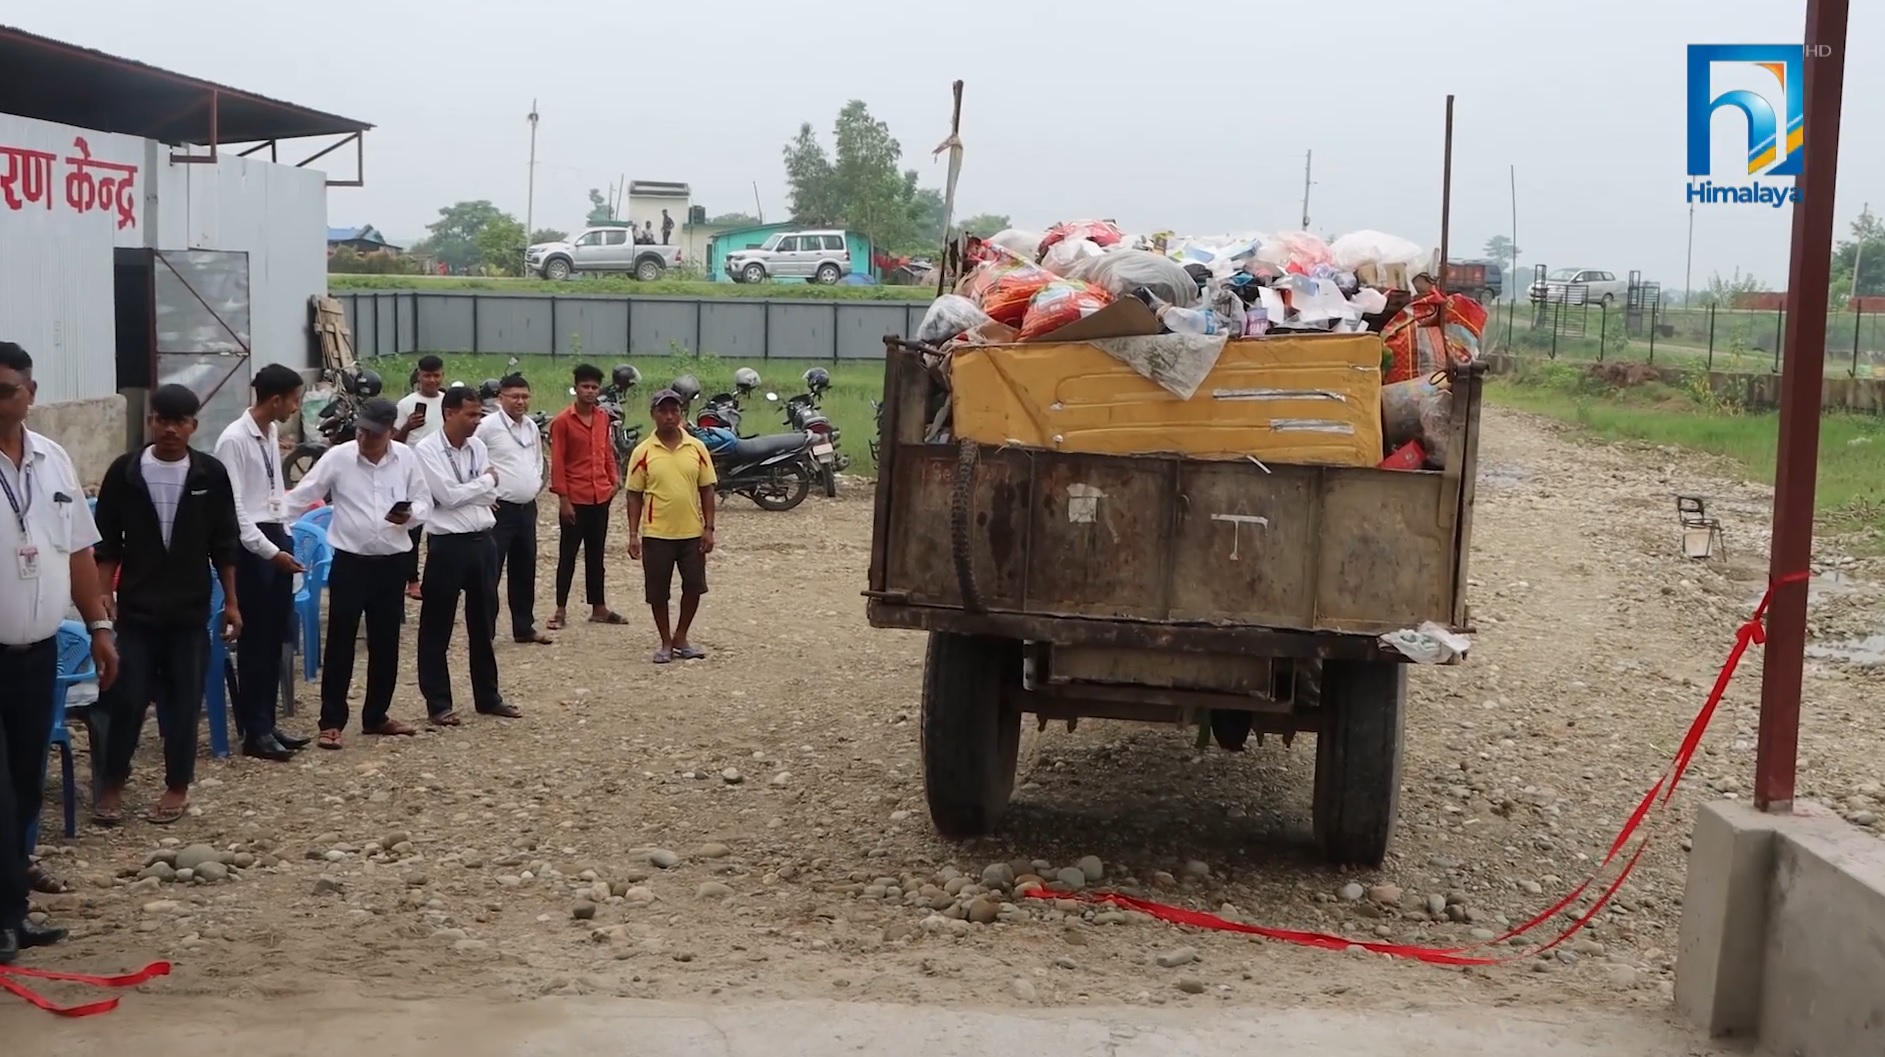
(670, 520)
(378, 493)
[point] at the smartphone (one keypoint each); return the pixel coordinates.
(404, 506)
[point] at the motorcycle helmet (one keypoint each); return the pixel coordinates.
(368, 385)
(350, 381)
(624, 376)
(817, 379)
(746, 379)
(687, 387)
(487, 389)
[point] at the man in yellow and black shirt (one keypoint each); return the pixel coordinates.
(670, 520)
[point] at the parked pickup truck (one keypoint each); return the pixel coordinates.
(603, 248)
(1231, 594)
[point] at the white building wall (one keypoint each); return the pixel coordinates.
(56, 251)
(56, 288)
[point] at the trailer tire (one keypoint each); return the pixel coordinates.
(970, 731)
(1363, 707)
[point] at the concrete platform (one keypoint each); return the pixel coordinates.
(201, 1027)
(1783, 932)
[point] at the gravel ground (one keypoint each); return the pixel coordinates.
(753, 824)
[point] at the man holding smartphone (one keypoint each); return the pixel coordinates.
(419, 415)
(378, 493)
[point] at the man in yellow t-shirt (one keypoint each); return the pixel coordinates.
(670, 520)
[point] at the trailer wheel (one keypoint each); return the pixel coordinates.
(971, 731)
(1358, 756)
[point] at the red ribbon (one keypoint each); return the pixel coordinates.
(1751, 633)
(10, 974)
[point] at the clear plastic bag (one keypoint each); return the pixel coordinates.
(1006, 299)
(1024, 244)
(1120, 272)
(1295, 251)
(949, 315)
(1103, 232)
(1059, 303)
(1357, 249)
(1062, 257)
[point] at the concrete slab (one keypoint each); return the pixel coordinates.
(205, 1027)
(93, 432)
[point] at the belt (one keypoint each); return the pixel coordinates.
(23, 647)
(477, 535)
(523, 502)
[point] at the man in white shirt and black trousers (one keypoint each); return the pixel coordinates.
(378, 492)
(464, 488)
(516, 450)
(46, 536)
(250, 449)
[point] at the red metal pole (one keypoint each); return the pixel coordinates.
(1802, 377)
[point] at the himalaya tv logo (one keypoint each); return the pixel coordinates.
(1775, 116)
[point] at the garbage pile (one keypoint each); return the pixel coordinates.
(1073, 283)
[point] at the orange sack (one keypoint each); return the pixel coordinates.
(1006, 299)
(1059, 303)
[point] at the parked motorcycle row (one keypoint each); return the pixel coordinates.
(776, 471)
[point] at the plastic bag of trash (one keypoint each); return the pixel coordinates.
(1102, 232)
(1120, 272)
(1295, 251)
(1059, 303)
(1419, 409)
(1006, 299)
(1024, 244)
(949, 315)
(1429, 643)
(1358, 248)
(1064, 256)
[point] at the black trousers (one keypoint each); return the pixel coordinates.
(457, 563)
(370, 587)
(412, 556)
(162, 664)
(26, 678)
(266, 597)
(515, 544)
(587, 533)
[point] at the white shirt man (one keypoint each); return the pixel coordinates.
(464, 487)
(252, 455)
(516, 448)
(378, 492)
(44, 518)
(412, 402)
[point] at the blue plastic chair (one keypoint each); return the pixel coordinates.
(215, 692)
(316, 556)
(75, 667)
(320, 516)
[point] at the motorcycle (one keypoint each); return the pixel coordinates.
(775, 472)
(803, 414)
(876, 444)
(336, 425)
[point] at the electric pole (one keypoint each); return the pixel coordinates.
(1306, 160)
(530, 201)
(1858, 258)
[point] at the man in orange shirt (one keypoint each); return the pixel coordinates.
(583, 477)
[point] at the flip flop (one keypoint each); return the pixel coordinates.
(159, 815)
(392, 728)
(611, 617)
(689, 653)
(445, 719)
(329, 739)
(107, 819)
(45, 883)
(662, 656)
(504, 710)
(536, 638)
(554, 624)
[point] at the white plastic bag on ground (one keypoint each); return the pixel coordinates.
(1023, 244)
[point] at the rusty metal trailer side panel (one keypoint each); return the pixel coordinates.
(1164, 539)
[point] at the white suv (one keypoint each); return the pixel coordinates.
(820, 256)
(603, 248)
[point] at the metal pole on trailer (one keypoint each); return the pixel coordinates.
(1776, 754)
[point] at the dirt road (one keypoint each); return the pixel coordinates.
(752, 826)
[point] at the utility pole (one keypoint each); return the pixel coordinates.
(530, 201)
(1688, 269)
(1306, 160)
(1858, 258)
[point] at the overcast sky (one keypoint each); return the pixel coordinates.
(1193, 118)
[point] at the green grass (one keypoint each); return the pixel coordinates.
(1742, 341)
(847, 403)
(622, 286)
(1851, 491)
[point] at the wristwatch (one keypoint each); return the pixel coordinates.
(99, 625)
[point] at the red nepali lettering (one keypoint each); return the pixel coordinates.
(27, 179)
(111, 189)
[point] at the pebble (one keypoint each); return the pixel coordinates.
(1176, 958)
(1023, 990)
(327, 886)
(1436, 905)
(212, 872)
(732, 777)
(713, 890)
(1071, 878)
(1352, 893)
(1091, 868)
(664, 858)
(983, 910)
(161, 906)
(583, 911)
(196, 855)
(995, 875)
(782, 778)
(1197, 869)
(1385, 895)
(715, 851)
(1191, 985)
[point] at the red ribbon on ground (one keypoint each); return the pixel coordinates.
(10, 974)
(1751, 633)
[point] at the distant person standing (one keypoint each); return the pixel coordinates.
(584, 476)
(250, 450)
(464, 487)
(419, 414)
(377, 492)
(516, 449)
(167, 522)
(670, 520)
(667, 227)
(646, 236)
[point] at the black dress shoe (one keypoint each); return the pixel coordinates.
(292, 743)
(266, 748)
(9, 946)
(31, 935)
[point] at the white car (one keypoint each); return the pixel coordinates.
(1579, 286)
(819, 256)
(603, 248)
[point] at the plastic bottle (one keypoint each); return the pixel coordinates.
(1178, 320)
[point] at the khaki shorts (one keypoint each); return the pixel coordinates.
(661, 557)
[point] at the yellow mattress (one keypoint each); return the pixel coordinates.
(1310, 399)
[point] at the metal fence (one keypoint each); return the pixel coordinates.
(403, 322)
(1716, 339)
